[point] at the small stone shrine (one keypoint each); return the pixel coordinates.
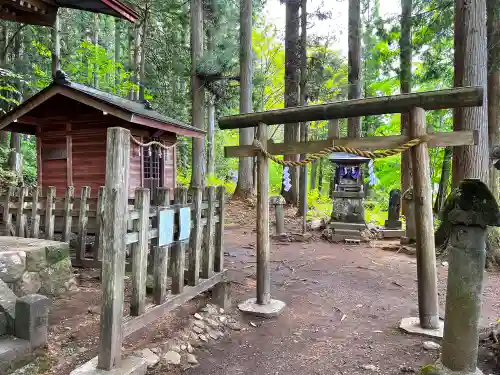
(393, 210)
(348, 214)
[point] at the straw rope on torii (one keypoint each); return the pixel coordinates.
(328, 150)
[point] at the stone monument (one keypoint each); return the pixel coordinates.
(394, 210)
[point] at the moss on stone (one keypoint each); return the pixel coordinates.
(429, 370)
(57, 253)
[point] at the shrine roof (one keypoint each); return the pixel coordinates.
(339, 157)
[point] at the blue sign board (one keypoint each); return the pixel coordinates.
(184, 223)
(165, 227)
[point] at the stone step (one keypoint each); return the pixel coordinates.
(348, 232)
(348, 226)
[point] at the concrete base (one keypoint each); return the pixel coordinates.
(412, 325)
(439, 369)
(130, 366)
(271, 310)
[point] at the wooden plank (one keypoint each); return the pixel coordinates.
(219, 231)
(82, 223)
(161, 254)
(178, 251)
(430, 100)
(208, 236)
(428, 305)
(49, 213)
(68, 218)
(7, 215)
(263, 246)
(196, 238)
(154, 312)
(69, 152)
(35, 216)
(99, 224)
(456, 138)
(140, 254)
(21, 217)
(113, 263)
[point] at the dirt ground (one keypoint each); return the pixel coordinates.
(344, 304)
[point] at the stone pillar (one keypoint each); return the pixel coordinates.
(279, 209)
(31, 323)
(394, 210)
(469, 210)
(411, 233)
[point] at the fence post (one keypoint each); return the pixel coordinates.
(160, 262)
(426, 253)
(82, 223)
(21, 219)
(49, 213)
(114, 234)
(208, 248)
(98, 222)
(178, 251)
(68, 213)
(140, 253)
(219, 231)
(35, 216)
(195, 238)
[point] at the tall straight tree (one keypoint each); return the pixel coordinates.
(471, 70)
(405, 45)
(197, 94)
(292, 79)
(245, 185)
(354, 63)
(118, 51)
(56, 47)
(493, 22)
(303, 101)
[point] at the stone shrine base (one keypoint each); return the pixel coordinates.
(31, 265)
(129, 366)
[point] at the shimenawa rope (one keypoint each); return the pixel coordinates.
(149, 144)
(328, 150)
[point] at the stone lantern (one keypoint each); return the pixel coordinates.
(348, 213)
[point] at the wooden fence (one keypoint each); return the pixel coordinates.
(34, 213)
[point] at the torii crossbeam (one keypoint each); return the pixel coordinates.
(416, 104)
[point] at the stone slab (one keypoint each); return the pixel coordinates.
(352, 226)
(7, 301)
(271, 310)
(393, 233)
(130, 366)
(12, 350)
(439, 369)
(412, 325)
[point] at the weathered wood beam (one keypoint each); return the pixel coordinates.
(431, 100)
(457, 138)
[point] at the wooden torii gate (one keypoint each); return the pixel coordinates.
(416, 104)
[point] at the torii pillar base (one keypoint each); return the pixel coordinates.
(439, 369)
(269, 310)
(412, 326)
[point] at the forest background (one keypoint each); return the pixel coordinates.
(152, 60)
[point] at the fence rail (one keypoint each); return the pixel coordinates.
(34, 213)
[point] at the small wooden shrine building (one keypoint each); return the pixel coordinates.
(70, 122)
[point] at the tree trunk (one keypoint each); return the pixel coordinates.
(303, 101)
(405, 79)
(142, 69)
(15, 138)
(118, 52)
(95, 41)
(211, 138)
(493, 21)
(471, 70)
(4, 136)
(354, 63)
(445, 179)
(292, 78)
(320, 175)
(314, 175)
(245, 184)
(56, 47)
(197, 94)
(135, 43)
